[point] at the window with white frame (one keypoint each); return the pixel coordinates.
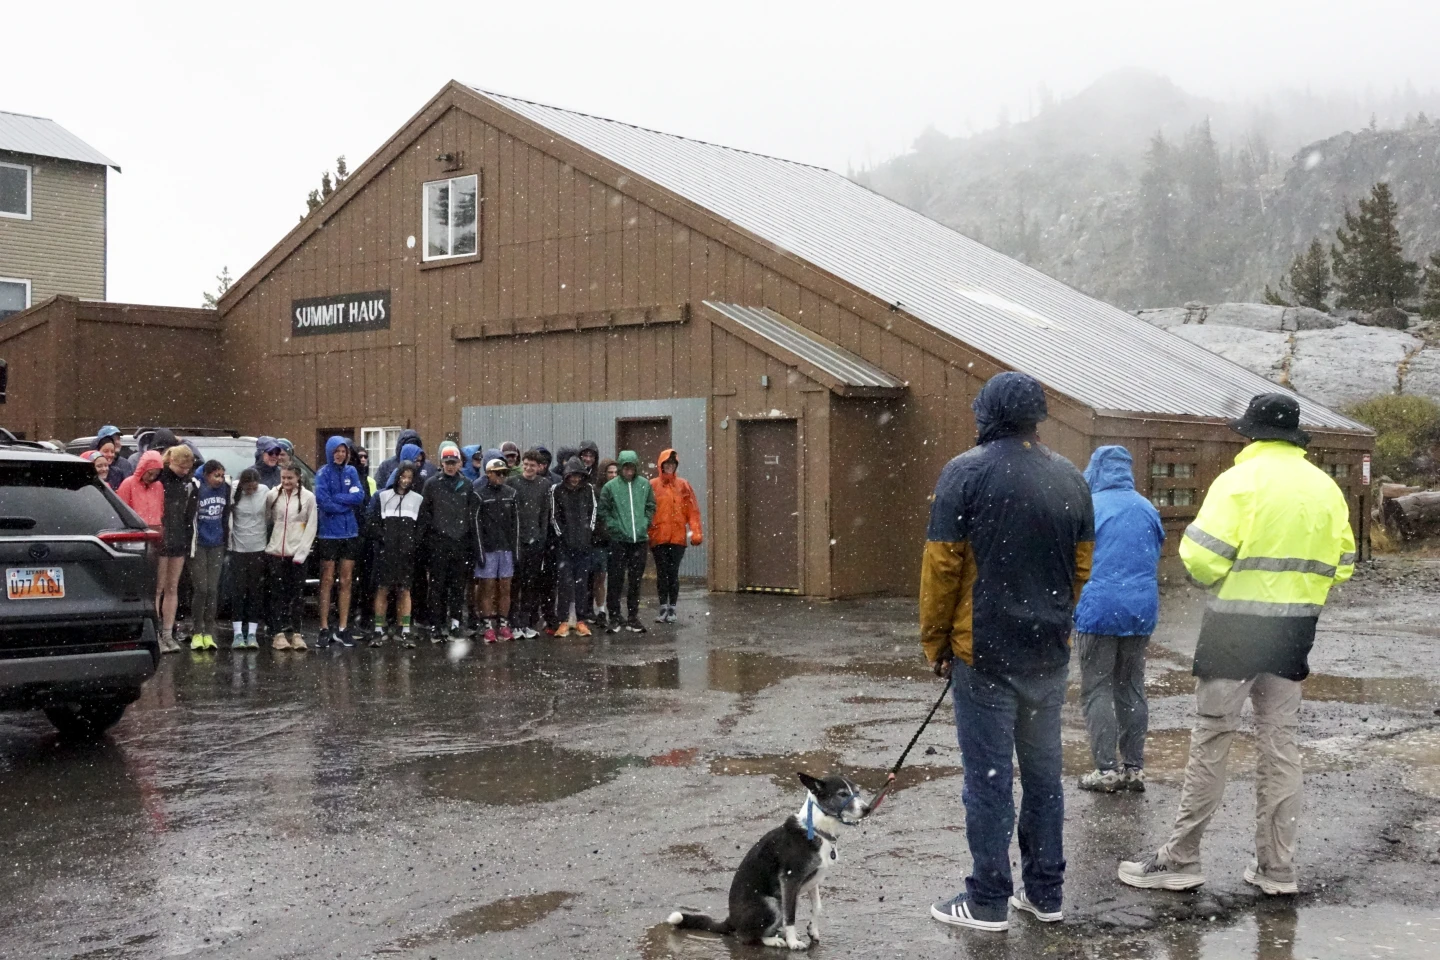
(380, 441)
(452, 209)
(14, 296)
(15, 191)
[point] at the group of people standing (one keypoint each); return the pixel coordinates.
(1022, 552)
(492, 544)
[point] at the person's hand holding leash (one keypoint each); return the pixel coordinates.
(943, 664)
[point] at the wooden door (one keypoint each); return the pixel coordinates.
(647, 436)
(769, 474)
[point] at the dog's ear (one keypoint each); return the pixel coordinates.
(810, 782)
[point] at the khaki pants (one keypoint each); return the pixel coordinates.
(1277, 775)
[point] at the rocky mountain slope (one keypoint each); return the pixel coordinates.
(1335, 361)
(1080, 191)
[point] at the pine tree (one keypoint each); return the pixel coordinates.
(327, 186)
(1310, 277)
(223, 281)
(1157, 206)
(1430, 296)
(1370, 266)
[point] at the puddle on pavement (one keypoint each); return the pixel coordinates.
(1420, 749)
(511, 913)
(782, 767)
(534, 771)
(652, 675)
(750, 672)
(1406, 692)
(1334, 933)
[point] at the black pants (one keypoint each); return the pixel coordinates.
(627, 562)
(449, 566)
(549, 584)
(667, 570)
(286, 579)
(529, 601)
(247, 587)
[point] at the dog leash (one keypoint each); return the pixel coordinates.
(890, 780)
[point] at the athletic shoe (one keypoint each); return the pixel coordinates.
(505, 633)
(168, 645)
(197, 642)
(529, 633)
(407, 640)
(237, 642)
(281, 642)
(1102, 781)
(582, 628)
(663, 614)
(323, 639)
(615, 626)
(960, 912)
(297, 641)
(377, 639)
(562, 631)
(436, 635)
(635, 626)
(490, 636)
(1150, 874)
(598, 619)
(343, 638)
(1021, 902)
(1271, 888)
(1134, 780)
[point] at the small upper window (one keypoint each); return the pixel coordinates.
(451, 217)
(14, 296)
(14, 191)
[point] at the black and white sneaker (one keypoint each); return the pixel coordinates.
(959, 911)
(615, 626)
(1150, 874)
(1021, 902)
(437, 635)
(635, 626)
(407, 640)
(343, 638)
(322, 639)
(377, 639)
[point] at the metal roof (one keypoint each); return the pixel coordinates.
(844, 366)
(1096, 353)
(40, 137)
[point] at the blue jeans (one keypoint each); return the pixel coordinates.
(996, 717)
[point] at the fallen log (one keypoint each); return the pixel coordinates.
(1413, 515)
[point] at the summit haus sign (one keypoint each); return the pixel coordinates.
(345, 313)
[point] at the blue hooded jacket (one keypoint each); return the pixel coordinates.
(1122, 598)
(338, 491)
(467, 454)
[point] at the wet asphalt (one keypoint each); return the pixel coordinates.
(559, 798)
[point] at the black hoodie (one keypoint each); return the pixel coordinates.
(573, 511)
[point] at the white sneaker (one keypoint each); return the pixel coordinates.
(1271, 888)
(1150, 874)
(1021, 902)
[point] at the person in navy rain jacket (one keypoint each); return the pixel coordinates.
(1113, 622)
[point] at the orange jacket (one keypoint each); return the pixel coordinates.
(675, 508)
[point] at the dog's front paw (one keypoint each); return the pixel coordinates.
(795, 943)
(814, 932)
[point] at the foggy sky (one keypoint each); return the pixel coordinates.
(224, 116)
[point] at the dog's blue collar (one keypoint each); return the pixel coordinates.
(809, 821)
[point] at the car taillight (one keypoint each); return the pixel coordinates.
(130, 541)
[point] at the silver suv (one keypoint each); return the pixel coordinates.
(77, 622)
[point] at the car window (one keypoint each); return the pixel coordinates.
(54, 499)
(238, 456)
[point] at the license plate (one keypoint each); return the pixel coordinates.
(35, 583)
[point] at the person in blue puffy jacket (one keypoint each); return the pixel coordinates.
(338, 491)
(1113, 622)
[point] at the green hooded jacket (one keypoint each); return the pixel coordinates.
(627, 506)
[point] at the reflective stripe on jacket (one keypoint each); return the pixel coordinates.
(1271, 538)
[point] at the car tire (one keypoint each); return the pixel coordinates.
(86, 720)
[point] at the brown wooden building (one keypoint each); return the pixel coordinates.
(500, 267)
(70, 365)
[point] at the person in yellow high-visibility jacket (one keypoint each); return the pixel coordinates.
(1271, 539)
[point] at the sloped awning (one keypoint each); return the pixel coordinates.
(821, 360)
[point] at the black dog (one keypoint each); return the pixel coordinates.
(786, 864)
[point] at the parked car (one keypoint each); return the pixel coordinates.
(236, 452)
(77, 624)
